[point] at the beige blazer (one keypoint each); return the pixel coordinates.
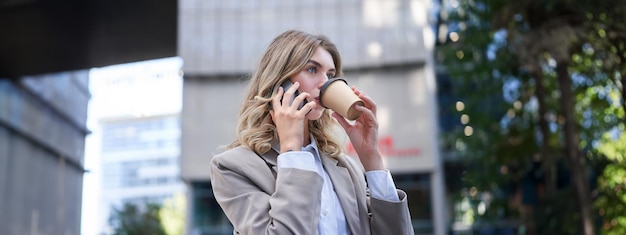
(258, 199)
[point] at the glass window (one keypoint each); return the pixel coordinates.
(208, 217)
(418, 190)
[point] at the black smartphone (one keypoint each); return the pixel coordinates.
(286, 84)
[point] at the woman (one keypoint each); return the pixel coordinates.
(286, 172)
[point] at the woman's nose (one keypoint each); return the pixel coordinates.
(322, 81)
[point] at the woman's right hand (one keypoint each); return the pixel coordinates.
(288, 119)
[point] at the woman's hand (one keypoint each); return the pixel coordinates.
(288, 119)
(364, 133)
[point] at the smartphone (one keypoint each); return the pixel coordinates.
(286, 84)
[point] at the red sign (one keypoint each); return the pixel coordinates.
(388, 149)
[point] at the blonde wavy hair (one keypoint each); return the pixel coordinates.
(286, 55)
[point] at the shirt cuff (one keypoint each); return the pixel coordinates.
(381, 185)
(302, 160)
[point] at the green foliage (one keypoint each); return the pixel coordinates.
(551, 210)
(612, 202)
(501, 57)
(172, 215)
(134, 220)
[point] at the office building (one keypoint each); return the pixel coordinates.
(42, 143)
(386, 49)
(136, 131)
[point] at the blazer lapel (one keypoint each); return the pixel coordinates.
(342, 183)
(270, 159)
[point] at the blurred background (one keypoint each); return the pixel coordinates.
(496, 116)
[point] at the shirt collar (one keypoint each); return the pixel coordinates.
(313, 145)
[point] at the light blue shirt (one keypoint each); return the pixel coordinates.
(332, 217)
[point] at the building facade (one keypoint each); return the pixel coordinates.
(135, 117)
(42, 140)
(386, 52)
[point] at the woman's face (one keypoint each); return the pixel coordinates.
(317, 70)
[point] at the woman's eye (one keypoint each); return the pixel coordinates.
(330, 76)
(312, 70)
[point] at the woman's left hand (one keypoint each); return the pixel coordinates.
(364, 133)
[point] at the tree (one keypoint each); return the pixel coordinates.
(172, 215)
(134, 220)
(557, 64)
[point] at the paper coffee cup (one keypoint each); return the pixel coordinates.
(338, 96)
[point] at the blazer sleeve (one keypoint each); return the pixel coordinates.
(243, 188)
(385, 217)
(390, 217)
